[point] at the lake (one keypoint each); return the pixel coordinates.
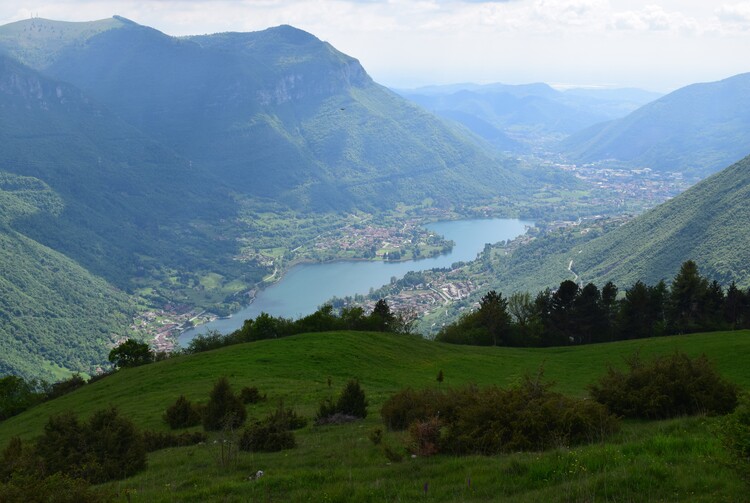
(306, 286)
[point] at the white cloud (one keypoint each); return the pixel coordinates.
(735, 16)
(653, 18)
(651, 43)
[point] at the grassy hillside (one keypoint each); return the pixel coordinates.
(652, 461)
(696, 130)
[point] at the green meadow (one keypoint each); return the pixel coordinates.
(673, 460)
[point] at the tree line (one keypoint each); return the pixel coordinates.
(573, 314)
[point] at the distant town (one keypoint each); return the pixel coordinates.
(408, 239)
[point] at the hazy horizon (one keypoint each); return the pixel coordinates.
(658, 46)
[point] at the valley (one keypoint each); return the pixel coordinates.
(237, 266)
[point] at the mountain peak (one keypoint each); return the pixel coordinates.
(36, 42)
(292, 35)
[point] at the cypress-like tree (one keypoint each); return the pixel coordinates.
(224, 409)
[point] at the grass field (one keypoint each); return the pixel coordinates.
(675, 460)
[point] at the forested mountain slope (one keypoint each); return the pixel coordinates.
(696, 130)
(86, 202)
(122, 194)
(277, 114)
(54, 314)
(708, 224)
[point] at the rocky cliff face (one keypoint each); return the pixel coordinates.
(21, 87)
(298, 86)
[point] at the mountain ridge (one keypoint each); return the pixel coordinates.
(695, 130)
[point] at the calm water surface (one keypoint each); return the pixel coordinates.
(305, 287)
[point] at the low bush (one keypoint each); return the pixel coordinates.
(13, 459)
(273, 433)
(182, 414)
(493, 420)
(408, 405)
(251, 395)
(107, 447)
(668, 386)
(327, 408)
(58, 487)
(157, 440)
(295, 421)
(425, 436)
(18, 394)
(351, 403)
(65, 386)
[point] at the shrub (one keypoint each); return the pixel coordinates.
(493, 420)
(17, 395)
(12, 459)
(181, 414)
(224, 409)
(251, 395)
(107, 447)
(58, 487)
(116, 446)
(273, 433)
(408, 405)
(212, 339)
(295, 421)
(65, 386)
(157, 440)
(351, 402)
(62, 445)
(425, 436)
(326, 409)
(522, 418)
(668, 386)
(266, 437)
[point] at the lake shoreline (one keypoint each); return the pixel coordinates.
(347, 277)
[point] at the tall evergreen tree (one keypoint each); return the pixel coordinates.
(493, 313)
(589, 323)
(561, 328)
(686, 299)
(734, 305)
(636, 315)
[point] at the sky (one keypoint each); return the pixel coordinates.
(659, 45)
